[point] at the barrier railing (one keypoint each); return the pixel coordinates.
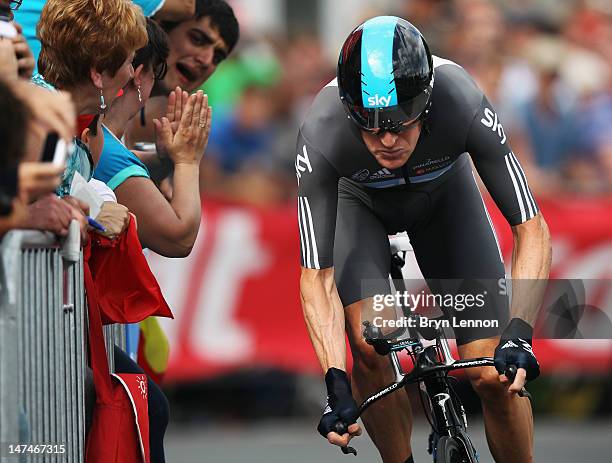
(42, 343)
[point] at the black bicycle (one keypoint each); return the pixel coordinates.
(448, 441)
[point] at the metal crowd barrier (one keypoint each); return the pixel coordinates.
(42, 344)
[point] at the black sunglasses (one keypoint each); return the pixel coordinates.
(394, 128)
(15, 4)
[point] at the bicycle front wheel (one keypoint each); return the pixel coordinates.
(450, 450)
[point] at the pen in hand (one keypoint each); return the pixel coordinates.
(95, 225)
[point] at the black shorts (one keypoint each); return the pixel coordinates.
(451, 234)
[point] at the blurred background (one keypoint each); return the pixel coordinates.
(242, 380)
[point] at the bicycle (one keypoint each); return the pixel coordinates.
(448, 441)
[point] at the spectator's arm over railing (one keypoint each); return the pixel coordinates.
(176, 10)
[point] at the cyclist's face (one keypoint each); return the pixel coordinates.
(392, 150)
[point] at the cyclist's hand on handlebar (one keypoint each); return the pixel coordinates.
(342, 440)
(514, 349)
(515, 379)
(339, 421)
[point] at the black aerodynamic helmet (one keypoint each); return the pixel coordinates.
(385, 74)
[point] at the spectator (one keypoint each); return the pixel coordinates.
(169, 228)
(251, 148)
(549, 117)
(13, 123)
(87, 51)
(113, 216)
(83, 74)
(28, 14)
(245, 137)
(27, 181)
(243, 164)
(197, 46)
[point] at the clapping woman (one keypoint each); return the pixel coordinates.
(167, 227)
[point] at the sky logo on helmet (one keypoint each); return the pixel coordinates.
(377, 78)
(377, 101)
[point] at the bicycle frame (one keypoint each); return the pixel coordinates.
(431, 367)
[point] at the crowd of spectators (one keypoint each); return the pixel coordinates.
(545, 65)
(547, 68)
(76, 80)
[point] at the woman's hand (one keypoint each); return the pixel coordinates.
(174, 111)
(186, 145)
(16, 58)
(176, 105)
(114, 217)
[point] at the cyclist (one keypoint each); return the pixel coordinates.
(384, 148)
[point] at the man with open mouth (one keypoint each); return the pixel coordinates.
(197, 46)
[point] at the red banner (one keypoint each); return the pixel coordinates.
(236, 297)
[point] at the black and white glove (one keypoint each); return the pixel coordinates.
(515, 349)
(340, 407)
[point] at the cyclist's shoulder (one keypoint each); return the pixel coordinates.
(454, 87)
(326, 122)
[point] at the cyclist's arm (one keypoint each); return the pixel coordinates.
(531, 260)
(317, 204)
(505, 179)
(324, 316)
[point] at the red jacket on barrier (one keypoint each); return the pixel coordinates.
(120, 289)
(120, 425)
(126, 288)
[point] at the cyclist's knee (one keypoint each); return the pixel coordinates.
(367, 359)
(486, 383)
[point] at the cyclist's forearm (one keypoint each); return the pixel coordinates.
(324, 316)
(531, 260)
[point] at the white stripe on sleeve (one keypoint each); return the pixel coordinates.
(306, 234)
(519, 198)
(313, 241)
(522, 183)
(300, 226)
(529, 195)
